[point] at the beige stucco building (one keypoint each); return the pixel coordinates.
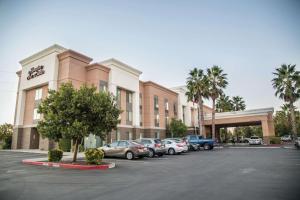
(147, 106)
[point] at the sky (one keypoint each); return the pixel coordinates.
(163, 39)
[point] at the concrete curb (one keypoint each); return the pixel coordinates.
(69, 166)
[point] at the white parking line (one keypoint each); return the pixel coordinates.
(254, 147)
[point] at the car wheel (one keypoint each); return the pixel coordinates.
(129, 155)
(206, 146)
(151, 153)
(171, 151)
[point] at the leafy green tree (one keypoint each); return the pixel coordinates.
(197, 90)
(282, 122)
(287, 87)
(6, 132)
(178, 128)
(238, 103)
(74, 114)
(217, 81)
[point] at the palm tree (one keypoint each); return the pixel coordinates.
(287, 87)
(217, 82)
(224, 104)
(238, 103)
(197, 90)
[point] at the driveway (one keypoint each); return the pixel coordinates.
(256, 173)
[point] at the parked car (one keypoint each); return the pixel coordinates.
(297, 142)
(286, 138)
(207, 144)
(175, 146)
(155, 146)
(125, 149)
(255, 140)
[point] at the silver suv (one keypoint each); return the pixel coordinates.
(155, 146)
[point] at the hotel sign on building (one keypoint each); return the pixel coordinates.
(35, 71)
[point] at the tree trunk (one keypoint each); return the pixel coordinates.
(75, 150)
(213, 119)
(201, 117)
(293, 120)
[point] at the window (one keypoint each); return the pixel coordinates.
(167, 121)
(118, 135)
(114, 144)
(129, 135)
(156, 106)
(156, 134)
(175, 108)
(141, 117)
(119, 98)
(156, 120)
(129, 116)
(123, 144)
(36, 115)
(141, 99)
(183, 114)
(38, 94)
(103, 86)
(128, 108)
(141, 135)
(166, 105)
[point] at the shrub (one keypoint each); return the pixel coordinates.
(7, 143)
(55, 155)
(94, 156)
(275, 140)
(65, 145)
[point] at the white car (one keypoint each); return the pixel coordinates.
(175, 146)
(255, 140)
(286, 138)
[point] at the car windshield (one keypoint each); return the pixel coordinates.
(135, 143)
(254, 137)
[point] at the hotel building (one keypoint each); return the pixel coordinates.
(147, 106)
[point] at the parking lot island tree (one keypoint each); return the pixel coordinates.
(217, 83)
(177, 128)
(197, 90)
(71, 113)
(287, 87)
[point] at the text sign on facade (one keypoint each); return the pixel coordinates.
(35, 71)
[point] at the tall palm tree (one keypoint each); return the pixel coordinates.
(197, 90)
(224, 104)
(238, 103)
(217, 82)
(287, 87)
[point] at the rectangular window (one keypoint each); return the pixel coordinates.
(166, 104)
(156, 106)
(156, 120)
(141, 135)
(36, 115)
(129, 107)
(129, 135)
(38, 94)
(103, 86)
(118, 135)
(157, 135)
(183, 114)
(175, 109)
(118, 98)
(167, 121)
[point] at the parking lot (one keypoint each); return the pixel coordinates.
(240, 173)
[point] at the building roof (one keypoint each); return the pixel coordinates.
(121, 65)
(54, 48)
